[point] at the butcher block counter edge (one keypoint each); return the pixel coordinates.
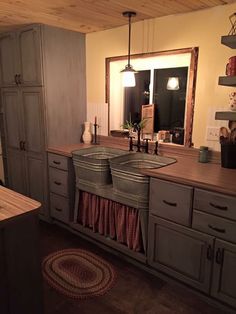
(13, 204)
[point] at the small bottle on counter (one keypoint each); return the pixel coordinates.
(203, 154)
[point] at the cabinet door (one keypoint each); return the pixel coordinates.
(8, 59)
(12, 117)
(37, 181)
(16, 171)
(180, 252)
(29, 40)
(224, 272)
(33, 120)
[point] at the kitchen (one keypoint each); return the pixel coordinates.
(158, 34)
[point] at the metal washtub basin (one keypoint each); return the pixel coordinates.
(92, 164)
(128, 181)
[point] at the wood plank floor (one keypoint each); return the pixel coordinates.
(135, 291)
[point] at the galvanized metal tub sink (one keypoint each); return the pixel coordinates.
(92, 164)
(128, 180)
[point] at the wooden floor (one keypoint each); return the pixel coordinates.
(135, 291)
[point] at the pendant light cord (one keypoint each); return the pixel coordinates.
(129, 40)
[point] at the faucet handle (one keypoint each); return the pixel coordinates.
(156, 148)
(146, 144)
(131, 143)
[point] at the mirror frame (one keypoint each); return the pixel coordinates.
(190, 101)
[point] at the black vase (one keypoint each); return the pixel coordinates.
(228, 155)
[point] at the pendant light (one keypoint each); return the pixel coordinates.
(129, 72)
(173, 83)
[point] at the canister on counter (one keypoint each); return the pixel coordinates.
(203, 154)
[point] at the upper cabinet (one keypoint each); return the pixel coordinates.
(229, 41)
(20, 57)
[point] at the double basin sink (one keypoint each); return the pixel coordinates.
(100, 166)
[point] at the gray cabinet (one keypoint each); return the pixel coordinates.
(203, 254)
(42, 77)
(20, 57)
(180, 252)
(223, 280)
(24, 127)
(62, 187)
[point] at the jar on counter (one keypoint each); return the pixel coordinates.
(203, 154)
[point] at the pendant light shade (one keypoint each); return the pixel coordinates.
(173, 83)
(129, 72)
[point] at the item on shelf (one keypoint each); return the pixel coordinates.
(87, 136)
(232, 19)
(203, 154)
(231, 67)
(228, 147)
(178, 136)
(164, 136)
(232, 101)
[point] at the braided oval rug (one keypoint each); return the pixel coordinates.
(78, 273)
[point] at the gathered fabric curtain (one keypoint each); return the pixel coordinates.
(111, 219)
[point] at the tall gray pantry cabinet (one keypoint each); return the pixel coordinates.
(43, 102)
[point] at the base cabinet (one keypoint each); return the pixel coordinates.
(203, 254)
(223, 280)
(180, 252)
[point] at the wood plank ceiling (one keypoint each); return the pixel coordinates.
(90, 15)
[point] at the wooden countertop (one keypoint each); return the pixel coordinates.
(13, 204)
(203, 175)
(66, 150)
(187, 170)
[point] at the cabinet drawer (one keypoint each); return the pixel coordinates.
(171, 201)
(217, 226)
(58, 161)
(58, 181)
(60, 208)
(215, 203)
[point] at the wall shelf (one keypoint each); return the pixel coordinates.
(225, 115)
(229, 41)
(227, 80)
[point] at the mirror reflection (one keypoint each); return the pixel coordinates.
(165, 79)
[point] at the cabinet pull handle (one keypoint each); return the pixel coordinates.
(169, 203)
(219, 256)
(216, 229)
(218, 206)
(56, 162)
(16, 81)
(57, 183)
(58, 209)
(19, 79)
(21, 145)
(209, 253)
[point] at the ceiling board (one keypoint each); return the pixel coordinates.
(90, 15)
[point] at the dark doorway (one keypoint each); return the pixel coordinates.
(170, 104)
(135, 97)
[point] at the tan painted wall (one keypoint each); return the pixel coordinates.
(202, 29)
